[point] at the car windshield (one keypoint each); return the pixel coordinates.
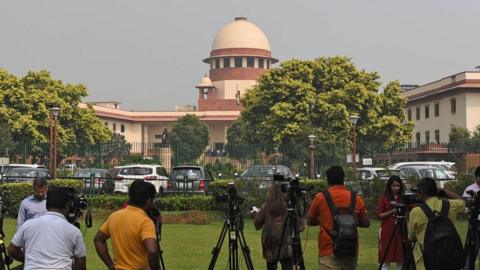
(433, 173)
(136, 171)
(259, 171)
(188, 172)
(87, 173)
(26, 173)
(388, 173)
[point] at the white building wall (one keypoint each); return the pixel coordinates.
(473, 110)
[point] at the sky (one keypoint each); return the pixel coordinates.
(148, 54)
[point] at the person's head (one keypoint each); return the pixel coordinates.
(477, 175)
(394, 187)
(58, 199)
(141, 194)
(335, 175)
(40, 188)
(426, 188)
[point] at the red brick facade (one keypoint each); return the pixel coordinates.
(243, 73)
(218, 105)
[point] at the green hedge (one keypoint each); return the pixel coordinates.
(14, 193)
(168, 203)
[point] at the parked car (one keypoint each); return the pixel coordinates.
(265, 172)
(25, 174)
(446, 166)
(195, 179)
(155, 174)
(115, 170)
(5, 168)
(418, 172)
(103, 180)
(369, 173)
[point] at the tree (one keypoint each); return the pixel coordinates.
(317, 97)
(25, 105)
(459, 139)
(189, 138)
(7, 144)
(116, 148)
(237, 142)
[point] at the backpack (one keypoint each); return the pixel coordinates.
(344, 232)
(442, 248)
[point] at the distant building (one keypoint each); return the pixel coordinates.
(436, 106)
(240, 55)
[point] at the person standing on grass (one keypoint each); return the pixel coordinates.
(132, 231)
(34, 205)
(386, 214)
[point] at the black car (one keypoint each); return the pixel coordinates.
(96, 180)
(189, 179)
(25, 174)
(263, 174)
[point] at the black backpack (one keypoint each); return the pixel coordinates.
(344, 232)
(442, 246)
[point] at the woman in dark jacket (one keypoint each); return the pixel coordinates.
(271, 218)
(386, 214)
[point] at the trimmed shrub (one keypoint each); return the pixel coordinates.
(109, 202)
(183, 203)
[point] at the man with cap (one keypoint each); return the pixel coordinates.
(428, 192)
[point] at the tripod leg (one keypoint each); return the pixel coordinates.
(218, 246)
(245, 251)
(384, 255)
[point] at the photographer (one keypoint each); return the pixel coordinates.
(386, 214)
(428, 192)
(321, 213)
(134, 239)
(475, 187)
(49, 241)
(34, 205)
(271, 218)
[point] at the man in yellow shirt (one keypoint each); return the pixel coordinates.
(417, 223)
(132, 233)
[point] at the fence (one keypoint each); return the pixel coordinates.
(231, 160)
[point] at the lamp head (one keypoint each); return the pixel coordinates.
(311, 138)
(55, 111)
(354, 119)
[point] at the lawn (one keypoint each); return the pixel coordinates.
(190, 246)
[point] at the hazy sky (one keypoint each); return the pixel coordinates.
(148, 54)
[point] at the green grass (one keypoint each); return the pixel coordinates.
(190, 246)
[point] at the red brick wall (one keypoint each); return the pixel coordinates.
(244, 73)
(218, 105)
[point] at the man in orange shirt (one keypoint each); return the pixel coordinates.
(320, 214)
(134, 239)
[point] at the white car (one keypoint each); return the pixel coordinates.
(445, 166)
(369, 173)
(155, 174)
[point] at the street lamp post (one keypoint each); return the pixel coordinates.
(311, 149)
(53, 140)
(353, 120)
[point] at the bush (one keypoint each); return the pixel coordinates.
(183, 203)
(14, 193)
(109, 202)
(463, 180)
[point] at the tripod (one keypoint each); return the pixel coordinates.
(5, 260)
(156, 216)
(401, 225)
(233, 225)
(290, 226)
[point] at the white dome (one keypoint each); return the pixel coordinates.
(205, 82)
(241, 34)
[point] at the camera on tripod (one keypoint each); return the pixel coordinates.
(231, 196)
(289, 185)
(407, 200)
(78, 203)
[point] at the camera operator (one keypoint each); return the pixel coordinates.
(50, 241)
(321, 214)
(271, 217)
(387, 215)
(134, 239)
(428, 192)
(475, 187)
(34, 205)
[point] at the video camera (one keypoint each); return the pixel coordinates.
(78, 203)
(231, 196)
(407, 200)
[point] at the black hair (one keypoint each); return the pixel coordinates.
(388, 189)
(40, 182)
(477, 172)
(59, 197)
(335, 175)
(428, 186)
(139, 192)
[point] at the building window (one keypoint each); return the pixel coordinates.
(260, 63)
(268, 64)
(437, 109)
(453, 105)
(417, 116)
(437, 136)
(226, 62)
(106, 124)
(238, 61)
(250, 62)
(158, 136)
(417, 138)
(427, 111)
(409, 115)
(122, 128)
(114, 127)
(205, 93)
(217, 63)
(427, 137)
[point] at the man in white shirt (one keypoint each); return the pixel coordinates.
(33, 206)
(50, 241)
(475, 187)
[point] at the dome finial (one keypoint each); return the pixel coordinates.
(240, 18)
